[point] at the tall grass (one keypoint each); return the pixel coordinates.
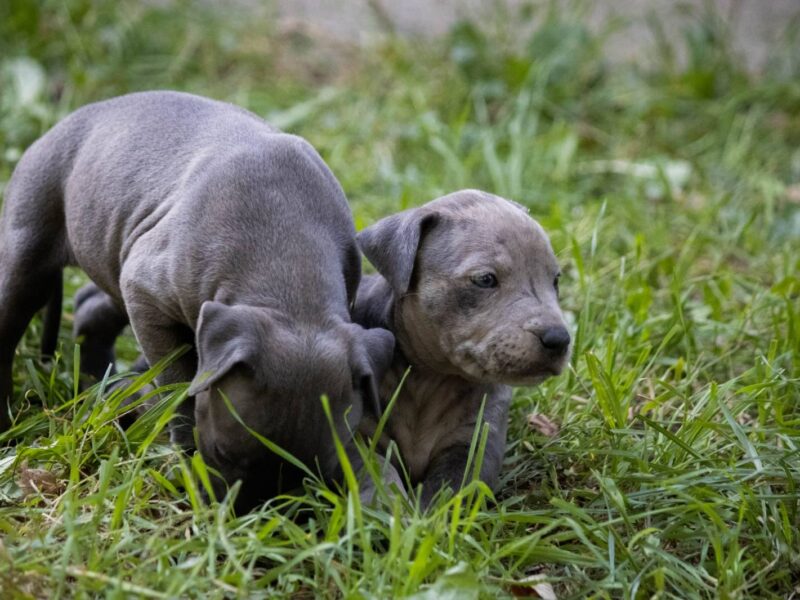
(672, 195)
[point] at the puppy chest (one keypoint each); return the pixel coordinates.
(422, 423)
(416, 445)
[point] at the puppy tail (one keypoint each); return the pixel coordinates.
(52, 317)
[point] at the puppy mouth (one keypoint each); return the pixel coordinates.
(473, 371)
(504, 372)
(528, 376)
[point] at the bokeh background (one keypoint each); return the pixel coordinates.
(659, 145)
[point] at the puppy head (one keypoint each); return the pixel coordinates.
(476, 283)
(273, 373)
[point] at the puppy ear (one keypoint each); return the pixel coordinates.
(372, 359)
(392, 243)
(225, 337)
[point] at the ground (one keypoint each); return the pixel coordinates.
(663, 463)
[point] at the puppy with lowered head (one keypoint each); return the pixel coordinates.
(205, 226)
(468, 283)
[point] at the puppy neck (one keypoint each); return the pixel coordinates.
(414, 340)
(377, 305)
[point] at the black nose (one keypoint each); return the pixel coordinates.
(555, 338)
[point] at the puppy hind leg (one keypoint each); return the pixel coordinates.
(141, 365)
(52, 319)
(25, 287)
(98, 323)
(33, 253)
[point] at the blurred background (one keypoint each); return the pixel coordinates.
(658, 143)
(754, 25)
(410, 98)
(650, 117)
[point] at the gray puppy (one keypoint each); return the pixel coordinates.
(209, 228)
(469, 286)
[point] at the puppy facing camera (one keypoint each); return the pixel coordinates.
(468, 283)
(200, 224)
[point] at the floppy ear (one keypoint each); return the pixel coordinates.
(370, 363)
(391, 245)
(226, 336)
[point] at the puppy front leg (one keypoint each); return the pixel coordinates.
(449, 466)
(367, 486)
(158, 336)
(446, 469)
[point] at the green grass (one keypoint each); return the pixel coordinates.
(672, 196)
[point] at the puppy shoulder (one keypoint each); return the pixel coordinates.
(373, 303)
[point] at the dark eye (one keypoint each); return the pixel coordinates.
(484, 280)
(555, 282)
